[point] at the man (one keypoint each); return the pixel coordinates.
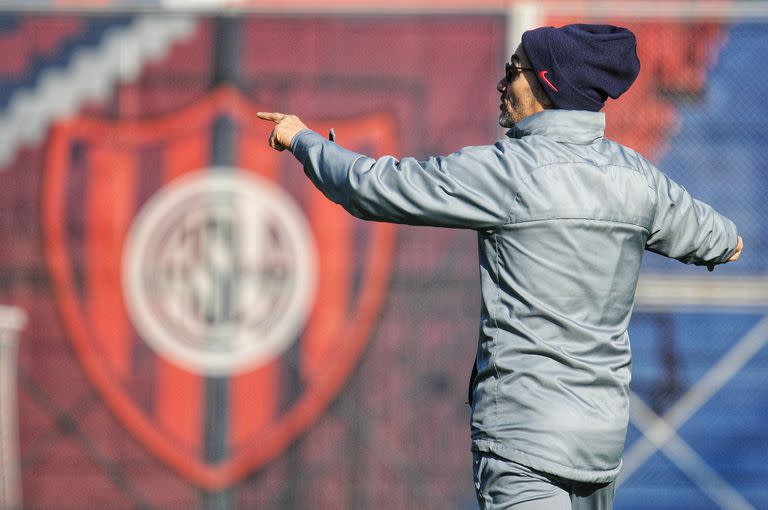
(563, 216)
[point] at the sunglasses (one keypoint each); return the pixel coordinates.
(511, 71)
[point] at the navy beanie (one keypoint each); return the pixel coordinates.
(580, 66)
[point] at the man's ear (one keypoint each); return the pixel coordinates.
(538, 92)
(541, 96)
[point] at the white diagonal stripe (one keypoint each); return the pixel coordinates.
(685, 457)
(91, 75)
(663, 429)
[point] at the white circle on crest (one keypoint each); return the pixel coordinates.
(219, 271)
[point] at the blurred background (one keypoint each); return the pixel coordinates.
(187, 323)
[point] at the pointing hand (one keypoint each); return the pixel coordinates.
(286, 127)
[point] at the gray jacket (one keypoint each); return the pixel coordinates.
(563, 216)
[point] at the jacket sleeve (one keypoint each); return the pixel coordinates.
(467, 189)
(686, 229)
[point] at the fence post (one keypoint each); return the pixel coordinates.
(12, 320)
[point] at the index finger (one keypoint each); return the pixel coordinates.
(273, 116)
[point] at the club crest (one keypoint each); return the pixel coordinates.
(216, 300)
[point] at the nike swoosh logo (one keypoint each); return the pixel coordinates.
(543, 76)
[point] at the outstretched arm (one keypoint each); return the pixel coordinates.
(689, 230)
(471, 188)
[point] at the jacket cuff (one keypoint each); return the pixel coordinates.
(302, 141)
(733, 240)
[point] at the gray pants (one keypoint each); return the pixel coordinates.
(503, 484)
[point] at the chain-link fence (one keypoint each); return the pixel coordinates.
(107, 116)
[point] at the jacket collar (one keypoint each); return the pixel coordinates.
(569, 126)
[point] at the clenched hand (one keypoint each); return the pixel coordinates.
(735, 256)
